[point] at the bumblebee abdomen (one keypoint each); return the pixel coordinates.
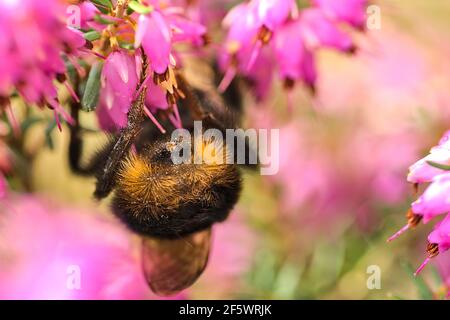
(169, 201)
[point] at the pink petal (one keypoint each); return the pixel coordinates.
(441, 234)
(294, 60)
(154, 35)
(187, 30)
(435, 200)
(352, 12)
(272, 13)
(321, 32)
(156, 98)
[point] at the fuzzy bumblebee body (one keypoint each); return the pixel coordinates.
(171, 205)
(156, 197)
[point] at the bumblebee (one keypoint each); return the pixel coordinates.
(171, 206)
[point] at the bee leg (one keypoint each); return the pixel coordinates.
(76, 145)
(75, 142)
(106, 176)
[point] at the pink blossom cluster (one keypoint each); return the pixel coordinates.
(34, 39)
(261, 34)
(434, 170)
(156, 32)
(53, 252)
(264, 34)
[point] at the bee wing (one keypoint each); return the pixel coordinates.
(171, 265)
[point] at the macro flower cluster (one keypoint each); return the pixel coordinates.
(268, 36)
(36, 41)
(434, 170)
(261, 35)
(96, 51)
(65, 241)
(156, 29)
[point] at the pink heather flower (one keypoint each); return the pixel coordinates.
(295, 61)
(42, 245)
(119, 82)
(438, 241)
(435, 200)
(441, 234)
(319, 31)
(206, 12)
(243, 27)
(292, 38)
(352, 12)
(421, 171)
(158, 30)
(31, 67)
(105, 121)
(444, 143)
(153, 33)
(261, 74)
(185, 30)
(156, 98)
(272, 13)
(87, 13)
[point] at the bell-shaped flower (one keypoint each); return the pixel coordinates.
(352, 12)
(422, 171)
(438, 242)
(185, 30)
(154, 34)
(156, 98)
(272, 13)
(295, 61)
(435, 200)
(319, 31)
(119, 81)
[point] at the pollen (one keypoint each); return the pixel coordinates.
(413, 219)
(144, 184)
(233, 46)
(133, 169)
(210, 152)
(432, 249)
(264, 35)
(133, 176)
